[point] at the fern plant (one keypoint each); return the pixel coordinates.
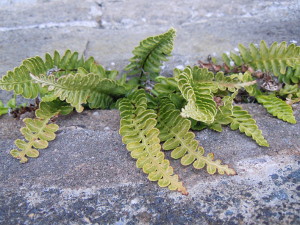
(162, 118)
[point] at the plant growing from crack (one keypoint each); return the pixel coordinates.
(158, 113)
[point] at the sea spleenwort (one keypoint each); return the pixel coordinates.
(243, 121)
(159, 118)
(150, 54)
(200, 104)
(79, 88)
(38, 132)
(275, 59)
(177, 137)
(277, 107)
(20, 79)
(137, 126)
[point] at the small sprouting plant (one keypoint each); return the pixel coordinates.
(159, 113)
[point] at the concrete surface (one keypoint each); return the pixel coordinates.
(86, 176)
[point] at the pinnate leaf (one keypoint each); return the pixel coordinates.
(37, 131)
(137, 127)
(277, 107)
(200, 104)
(174, 131)
(150, 54)
(243, 121)
(82, 88)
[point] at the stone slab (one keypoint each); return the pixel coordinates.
(86, 176)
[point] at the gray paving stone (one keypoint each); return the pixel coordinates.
(86, 176)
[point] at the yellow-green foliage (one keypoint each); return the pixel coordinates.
(292, 75)
(150, 54)
(293, 90)
(174, 132)
(159, 118)
(79, 88)
(274, 105)
(216, 82)
(243, 121)
(137, 126)
(200, 104)
(198, 87)
(20, 80)
(275, 59)
(37, 131)
(277, 107)
(224, 113)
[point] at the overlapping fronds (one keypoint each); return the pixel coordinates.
(224, 113)
(82, 88)
(275, 59)
(174, 131)
(292, 75)
(150, 54)
(216, 82)
(38, 132)
(20, 81)
(137, 127)
(165, 86)
(200, 104)
(243, 121)
(193, 99)
(293, 90)
(246, 77)
(273, 104)
(277, 107)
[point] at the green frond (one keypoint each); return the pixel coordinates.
(201, 75)
(82, 88)
(137, 127)
(165, 86)
(38, 132)
(200, 104)
(247, 78)
(224, 113)
(20, 81)
(212, 166)
(216, 82)
(243, 121)
(48, 109)
(290, 90)
(150, 54)
(273, 59)
(174, 131)
(292, 76)
(100, 101)
(277, 107)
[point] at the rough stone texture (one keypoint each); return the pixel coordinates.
(86, 176)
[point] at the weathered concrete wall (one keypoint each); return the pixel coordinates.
(86, 176)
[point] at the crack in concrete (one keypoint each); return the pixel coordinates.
(87, 23)
(86, 49)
